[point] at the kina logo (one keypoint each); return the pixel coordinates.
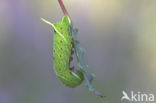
(138, 97)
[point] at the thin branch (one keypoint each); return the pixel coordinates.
(63, 8)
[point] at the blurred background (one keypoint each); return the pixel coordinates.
(119, 37)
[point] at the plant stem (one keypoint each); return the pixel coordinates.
(63, 8)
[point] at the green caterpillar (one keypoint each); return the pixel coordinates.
(66, 44)
(63, 44)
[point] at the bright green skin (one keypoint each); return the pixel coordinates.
(65, 39)
(62, 48)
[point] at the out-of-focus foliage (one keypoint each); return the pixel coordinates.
(119, 38)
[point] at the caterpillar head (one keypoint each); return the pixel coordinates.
(74, 79)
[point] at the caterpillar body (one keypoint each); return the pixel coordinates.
(62, 53)
(63, 44)
(66, 44)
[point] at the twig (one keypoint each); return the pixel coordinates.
(63, 8)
